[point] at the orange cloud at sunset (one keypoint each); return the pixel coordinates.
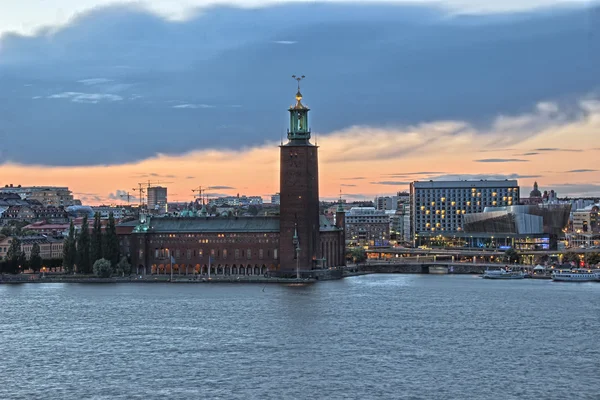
(365, 161)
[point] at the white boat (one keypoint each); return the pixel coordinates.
(439, 270)
(503, 274)
(576, 275)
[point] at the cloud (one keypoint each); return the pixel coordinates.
(550, 149)
(409, 174)
(576, 189)
(215, 194)
(91, 98)
(157, 175)
(221, 188)
(500, 160)
(496, 75)
(478, 177)
(193, 106)
(285, 42)
(391, 183)
(581, 170)
(354, 178)
(94, 81)
(531, 153)
(347, 185)
(121, 195)
(190, 177)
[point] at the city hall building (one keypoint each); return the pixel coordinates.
(300, 241)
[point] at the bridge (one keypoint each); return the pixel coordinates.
(461, 256)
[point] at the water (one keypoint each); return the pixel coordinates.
(377, 336)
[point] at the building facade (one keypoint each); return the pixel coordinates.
(298, 242)
(50, 248)
(367, 226)
(586, 220)
(48, 196)
(157, 199)
(439, 206)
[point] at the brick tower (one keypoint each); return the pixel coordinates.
(299, 191)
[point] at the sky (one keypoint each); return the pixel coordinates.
(112, 94)
(27, 16)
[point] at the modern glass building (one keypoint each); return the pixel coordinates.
(522, 227)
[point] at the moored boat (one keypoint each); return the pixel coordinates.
(576, 275)
(503, 273)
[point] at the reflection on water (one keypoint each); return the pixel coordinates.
(376, 336)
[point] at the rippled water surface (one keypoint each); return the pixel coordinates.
(377, 336)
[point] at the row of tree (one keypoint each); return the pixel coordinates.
(82, 250)
(16, 259)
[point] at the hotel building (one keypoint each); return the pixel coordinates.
(438, 206)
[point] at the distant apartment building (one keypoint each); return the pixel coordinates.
(118, 212)
(236, 201)
(586, 220)
(48, 196)
(157, 199)
(386, 203)
(439, 206)
(276, 199)
(367, 226)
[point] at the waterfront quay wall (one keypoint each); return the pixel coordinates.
(423, 268)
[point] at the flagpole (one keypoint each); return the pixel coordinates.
(209, 261)
(171, 260)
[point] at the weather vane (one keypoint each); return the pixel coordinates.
(298, 79)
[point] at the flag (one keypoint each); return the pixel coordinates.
(172, 260)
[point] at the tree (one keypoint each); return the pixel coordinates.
(111, 242)
(69, 250)
(84, 264)
(96, 240)
(35, 260)
(22, 261)
(253, 210)
(593, 258)
(12, 256)
(123, 267)
(511, 256)
(102, 268)
(6, 230)
(359, 255)
(570, 257)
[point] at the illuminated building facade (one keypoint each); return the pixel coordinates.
(439, 206)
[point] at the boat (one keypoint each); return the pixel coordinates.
(440, 270)
(576, 275)
(503, 273)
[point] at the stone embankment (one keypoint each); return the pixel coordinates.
(423, 268)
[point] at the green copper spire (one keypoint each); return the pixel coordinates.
(299, 130)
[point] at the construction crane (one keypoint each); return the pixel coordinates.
(126, 195)
(199, 192)
(141, 192)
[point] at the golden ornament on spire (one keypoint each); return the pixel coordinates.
(299, 104)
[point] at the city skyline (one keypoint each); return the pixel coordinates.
(453, 108)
